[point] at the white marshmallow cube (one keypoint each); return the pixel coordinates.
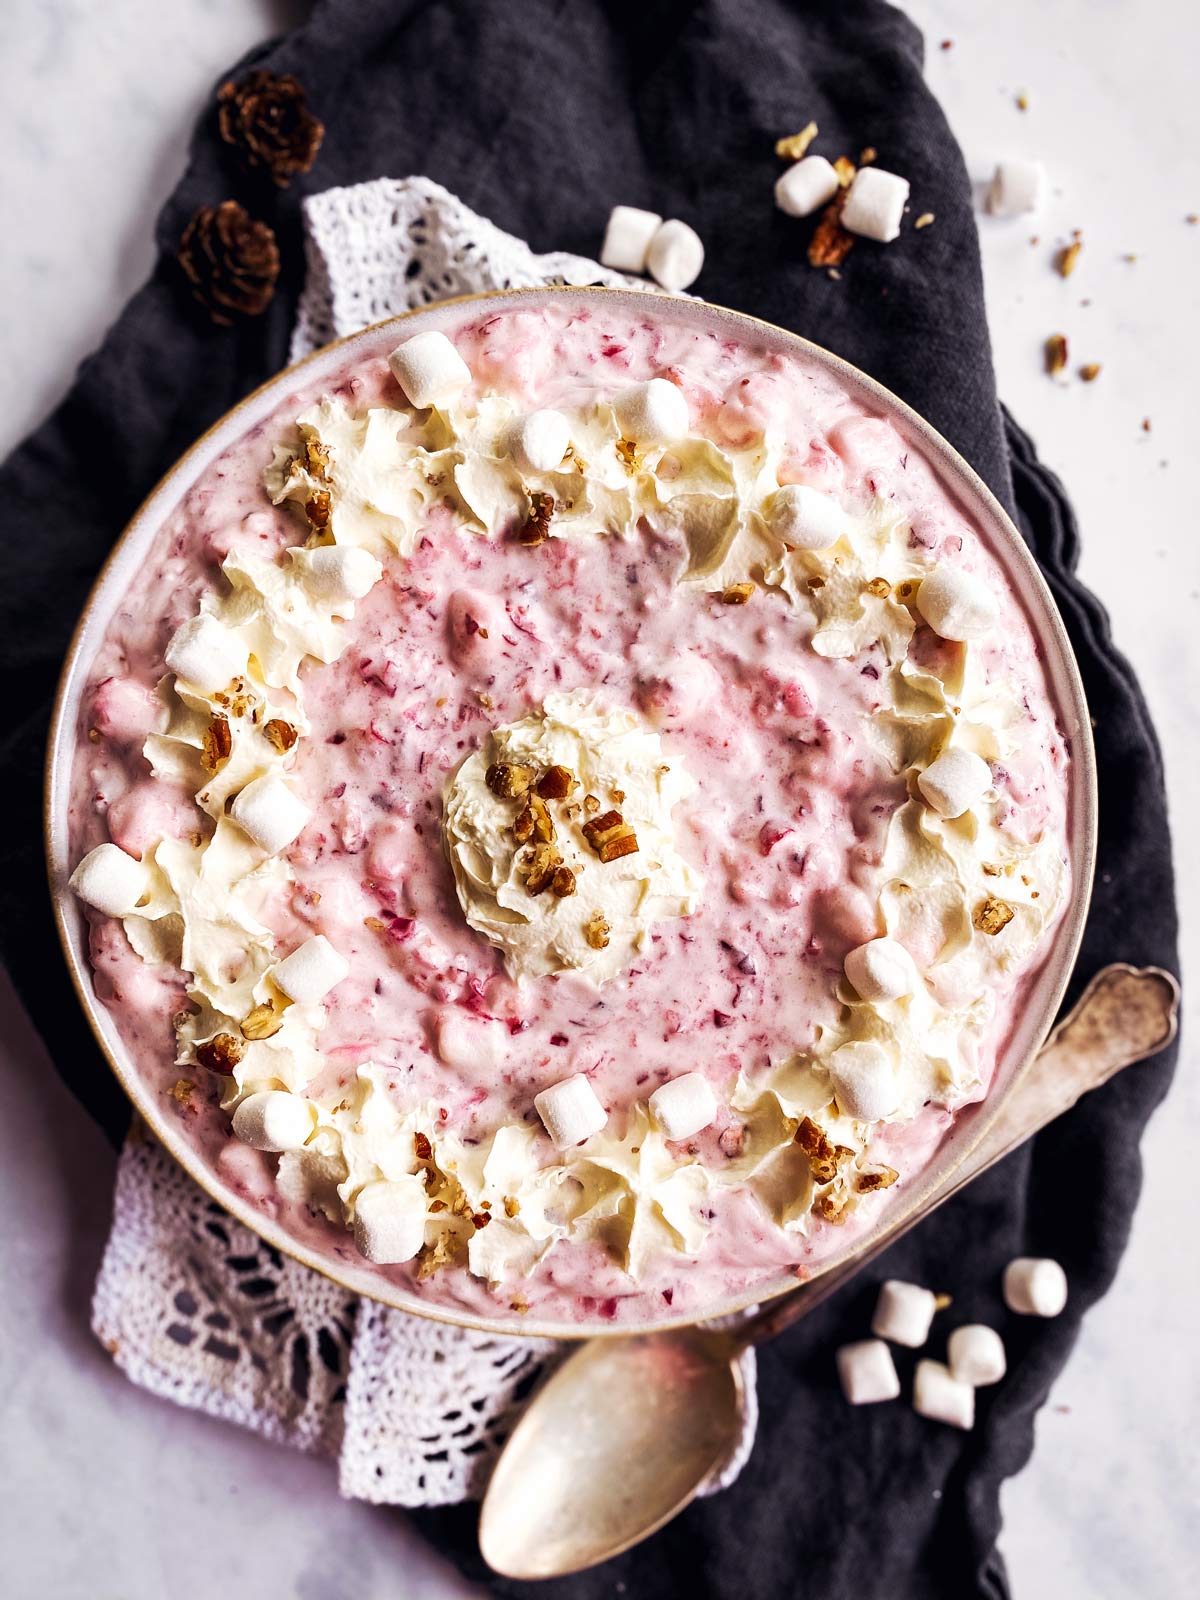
(976, 1355)
(110, 880)
(684, 1105)
(1017, 187)
(270, 813)
(274, 1120)
(339, 573)
(941, 1396)
(311, 971)
(806, 186)
(627, 238)
(956, 605)
(652, 413)
(881, 969)
(570, 1111)
(864, 1080)
(542, 441)
(1035, 1287)
(875, 203)
(429, 370)
(804, 518)
(867, 1372)
(205, 653)
(389, 1220)
(676, 256)
(954, 782)
(904, 1313)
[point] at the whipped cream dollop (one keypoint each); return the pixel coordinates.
(616, 765)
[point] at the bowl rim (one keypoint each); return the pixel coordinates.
(1041, 992)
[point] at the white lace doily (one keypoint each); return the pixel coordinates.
(195, 1307)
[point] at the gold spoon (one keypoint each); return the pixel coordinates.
(627, 1430)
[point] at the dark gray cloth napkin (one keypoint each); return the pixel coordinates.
(541, 115)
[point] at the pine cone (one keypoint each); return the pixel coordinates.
(266, 120)
(230, 260)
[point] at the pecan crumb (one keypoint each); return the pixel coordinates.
(590, 804)
(830, 1208)
(881, 1178)
(991, 870)
(1022, 102)
(94, 735)
(795, 146)
(815, 583)
(596, 931)
(627, 454)
(992, 914)
(1066, 259)
(509, 780)
(541, 864)
(221, 1053)
(865, 157)
(1090, 371)
(845, 170)
(536, 527)
(423, 1147)
(481, 1218)
(556, 783)
(182, 1090)
(907, 590)
(262, 1023)
(563, 882)
(280, 735)
(737, 594)
(924, 220)
(316, 458)
(1056, 353)
(319, 508)
(942, 1302)
(511, 1207)
(218, 744)
(880, 588)
(830, 243)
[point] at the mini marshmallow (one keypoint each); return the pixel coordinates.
(684, 1105)
(652, 413)
(570, 1111)
(429, 370)
(804, 518)
(954, 782)
(1017, 187)
(904, 1313)
(389, 1220)
(542, 441)
(864, 1080)
(809, 184)
(939, 1395)
(627, 238)
(867, 1372)
(1035, 1287)
(976, 1355)
(955, 605)
(274, 1120)
(205, 653)
(881, 969)
(270, 813)
(341, 573)
(110, 880)
(311, 971)
(875, 203)
(676, 256)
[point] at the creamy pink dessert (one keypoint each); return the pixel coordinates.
(586, 804)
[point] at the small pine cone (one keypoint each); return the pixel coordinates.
(268, 123)
(230, 260)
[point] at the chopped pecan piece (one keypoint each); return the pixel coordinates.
(845, 170)
(1090, 371)
(563, 882)
(511, 1205)
(813, 1140)
(316, 459)
(221, 1053)
(627, 454)
(523, 826)
(590, 804)
(182, 1090)
(880, 588)
(1056, 353)
(422, 1146)
(610, 836)
(280, 735)
(881, 1178)
(319, 508)
(481, 1218)
(907, 590)
(830, 244)
(508, 779)
(556, 783)
(1067, 258)
(992, 914)
(830, 1208)
(737, 594)
(218, 743)
(596, 931)
(924, 220)
(541, 863)
(262, 1023)
(795, 146)
(536, 527)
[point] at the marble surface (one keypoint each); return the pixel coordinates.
(113, 1485)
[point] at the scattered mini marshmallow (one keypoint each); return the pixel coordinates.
(270, 813)
(864, 1080)
(570, 1111)
(956, 605)
(652, 413)
(311, 971)
(676, 256)
(881, 969)
(941, 1396)
(954, 782)
(389, 1220)
(867, 1372)
(627, 238)
(274, 1120)
(875, 203)
(1017, 187)
(429, 369)
(110, 880)
(807, 186)
(904, 1313)
(976, 1355)
(542, 441)
(205, 653)
(684, 1105)
(804, 518)
(341, 573)
(1035, 1287)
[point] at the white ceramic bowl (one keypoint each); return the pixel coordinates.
(1042, 996)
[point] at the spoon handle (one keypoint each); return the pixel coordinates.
(1124, 1015)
